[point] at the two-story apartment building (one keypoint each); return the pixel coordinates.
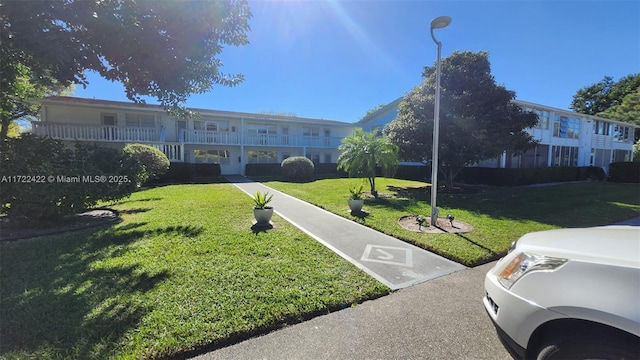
(565, 138)
(231, 139)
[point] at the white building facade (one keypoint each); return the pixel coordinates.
(231, 139)
(565, 138)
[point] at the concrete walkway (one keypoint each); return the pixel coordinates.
(393, 262)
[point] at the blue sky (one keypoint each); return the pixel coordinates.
(337, 59)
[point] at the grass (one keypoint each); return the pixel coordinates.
(183, 271)
(499, 215)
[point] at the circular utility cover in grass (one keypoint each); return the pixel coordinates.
(444, 226)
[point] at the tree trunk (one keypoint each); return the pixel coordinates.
(372, 184)
(5, 128)
(450, 173)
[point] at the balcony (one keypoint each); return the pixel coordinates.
(209, 137)
(291, 141)
(62, 131)
(252, 139)
(77, 132)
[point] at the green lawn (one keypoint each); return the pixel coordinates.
(182, 270)
(499, 215)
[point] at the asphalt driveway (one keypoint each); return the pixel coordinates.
(439, 319)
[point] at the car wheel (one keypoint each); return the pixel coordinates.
(589, 347)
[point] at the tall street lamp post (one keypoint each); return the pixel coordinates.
(437, 23)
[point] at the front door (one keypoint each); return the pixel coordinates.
(182, 130)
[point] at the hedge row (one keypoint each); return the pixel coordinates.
(43, 180)
(618, 172)
(628, 172)
(276, 169)
(185, 172)
(527, 176)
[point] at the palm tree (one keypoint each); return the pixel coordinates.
(362, 152)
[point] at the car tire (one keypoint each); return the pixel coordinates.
(588, 347)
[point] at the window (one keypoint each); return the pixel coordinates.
(621, 155)
(601, 157)
(309, 131)
(262, 157)
(566, 127)
(535, 157)
(327, 158)
(137, 120)
(261, 129)
(543, 119)
(602, 128)
(564, 156)
(111, 132)
(622, 134)
(314, 157)
(211, 156)
(109, 120)
(211, 125)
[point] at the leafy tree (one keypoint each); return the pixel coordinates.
(23, 85)
(636, 151)
(599, 97)
(372, 111)
(13, 130)
(628, 110)
(363, 152)
(478, 121)
(162, 49)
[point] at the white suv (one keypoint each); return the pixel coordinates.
(569, 294)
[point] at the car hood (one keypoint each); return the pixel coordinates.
(614, 245)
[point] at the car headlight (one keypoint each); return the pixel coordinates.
(525, 263)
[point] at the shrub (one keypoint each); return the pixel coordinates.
(591, 173)
(263, 169)
(627, 172)
(120, 169)
(413, 172)
(526, 176)
(329, 169)
(297, 168)
(155, 162)
(206, 170)
(178, 172)
(44, 188)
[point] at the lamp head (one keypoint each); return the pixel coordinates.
(440, 22)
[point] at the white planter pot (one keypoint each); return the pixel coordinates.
(356, 205)
(263, 216)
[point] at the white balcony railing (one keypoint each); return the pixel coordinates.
(233, 138)
(210, 137)
(78, 132)
(94, 133)
(288, 140)
(174, 151)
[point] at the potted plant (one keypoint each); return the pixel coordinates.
(261, 211)
(355, 199)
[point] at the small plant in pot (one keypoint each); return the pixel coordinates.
(355, 198)
(261, 211)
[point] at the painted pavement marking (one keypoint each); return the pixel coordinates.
(388, 255)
